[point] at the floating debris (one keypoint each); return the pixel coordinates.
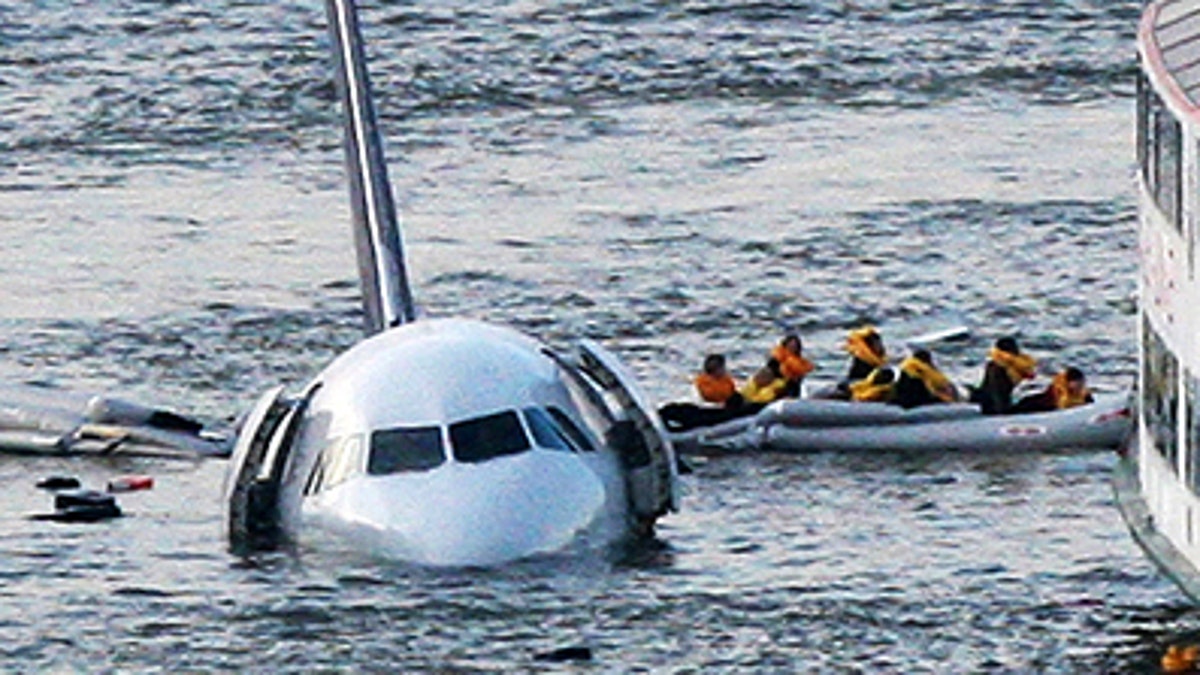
(81, 506)
(565, 654)
(130, 483)
(59, 483)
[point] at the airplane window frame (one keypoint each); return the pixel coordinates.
(425, 432)
(581, 437)
(546, 431)
(340, 460)
(468, 450)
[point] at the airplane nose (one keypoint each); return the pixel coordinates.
(476, 514)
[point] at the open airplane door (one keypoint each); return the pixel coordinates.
(255, 470)
(653, 475)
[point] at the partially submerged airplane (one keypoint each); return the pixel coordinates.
(442, 441)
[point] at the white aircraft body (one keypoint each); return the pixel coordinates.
(443, 441)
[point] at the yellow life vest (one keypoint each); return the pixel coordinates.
(856, 345)
(866, 389)
(1020, 367)
(1063, 398)
(938, 384)
(755, 393)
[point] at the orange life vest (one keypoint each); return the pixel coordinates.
(793, 366)
(715, 389)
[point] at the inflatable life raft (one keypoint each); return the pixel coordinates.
(43, 421)
(816, 425)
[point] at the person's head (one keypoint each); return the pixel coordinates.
(792, 343)
(1075, 380)
(883, 376)
(714, 364)
(1008, 344)
(764, 376)
(874, 340)
(923, 355)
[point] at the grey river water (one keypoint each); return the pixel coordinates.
(668, 178)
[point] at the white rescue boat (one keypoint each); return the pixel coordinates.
(818, 425)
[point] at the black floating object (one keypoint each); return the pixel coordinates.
(59, 483)
(565, 654)
(82, 506)
(65, 500)
(82, 514)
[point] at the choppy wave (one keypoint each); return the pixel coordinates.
(162, 82)
(667, 177)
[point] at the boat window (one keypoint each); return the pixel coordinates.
(1191, 208)
(483, 438)
(579, 437)
(1168, 149)
(1159, 140)
(1192, 429)
(340, 460)
(546, 432)
(1144, 92)
(405, 449)
(1160, 393)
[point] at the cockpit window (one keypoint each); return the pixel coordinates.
(546, 432)
(405, 449)
(579, 437)
(339, 461)
(482, 438)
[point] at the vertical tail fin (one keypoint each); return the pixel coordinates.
(387, 298)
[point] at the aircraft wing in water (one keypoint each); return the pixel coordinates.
(46, 421)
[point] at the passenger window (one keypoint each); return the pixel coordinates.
(546, 432)
(405, 449)
(581, 439)
(483, 438)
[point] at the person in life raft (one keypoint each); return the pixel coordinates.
(1068, 390)
(793, 366)
(718, 389)
(1006, 368)
(867, 357)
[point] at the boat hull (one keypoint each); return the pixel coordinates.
(838, 426)
(1138, 517)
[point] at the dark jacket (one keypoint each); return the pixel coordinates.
(911, 392)
(859, 370)
(684, 416)
(994, 394)
(1043, 401)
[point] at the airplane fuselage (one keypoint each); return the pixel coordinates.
(454, 442)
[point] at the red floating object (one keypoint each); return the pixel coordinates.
(130, 483)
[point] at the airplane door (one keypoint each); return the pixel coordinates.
(654, 486)
(249, 518)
